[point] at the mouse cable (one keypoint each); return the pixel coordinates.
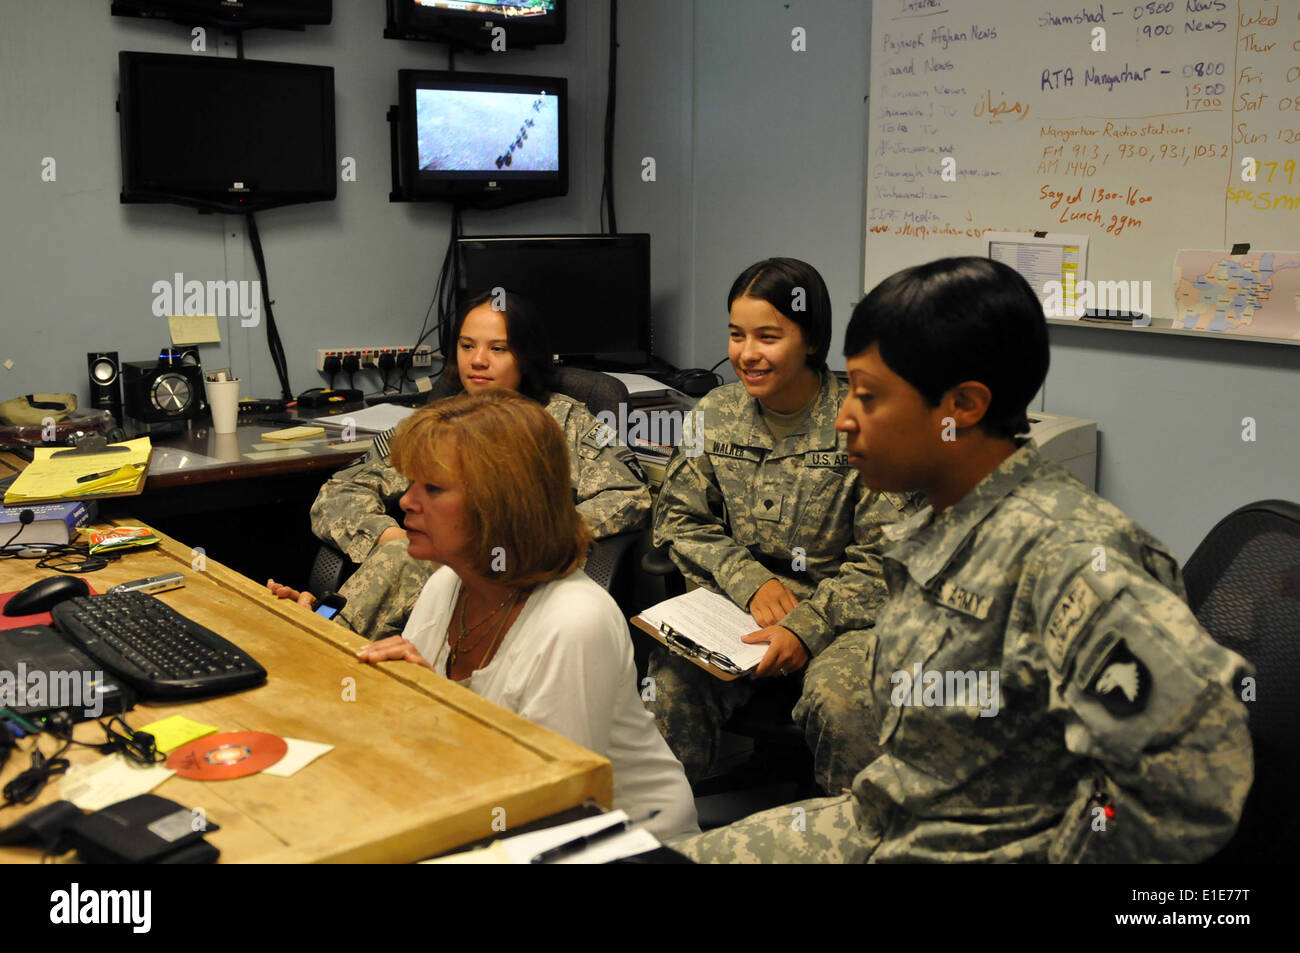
(138, 746)
(25, 519)
(27, 786)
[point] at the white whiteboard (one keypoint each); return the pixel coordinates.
(1140, 146)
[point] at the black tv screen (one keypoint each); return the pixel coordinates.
(225, 135)
(594, 290)
(485, 139)
(474, 25)
(230, 14)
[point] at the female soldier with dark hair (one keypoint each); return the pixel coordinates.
(1106, 724)
(770, 513)
(495, 348)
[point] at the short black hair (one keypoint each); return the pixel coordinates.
(776, 281)
(954, 320)
(527, 335)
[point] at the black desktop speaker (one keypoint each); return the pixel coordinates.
(176, 356)
(105, 372)
(157, 392)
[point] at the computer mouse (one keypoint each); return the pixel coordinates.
(41, 595)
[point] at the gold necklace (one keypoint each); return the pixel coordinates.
(456, 644)
(492, 646)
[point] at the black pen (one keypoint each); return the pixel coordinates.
(95, 476)
(582, 843)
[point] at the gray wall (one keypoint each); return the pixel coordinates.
(759, 151)
(77, 267)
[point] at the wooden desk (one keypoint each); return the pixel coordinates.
(419, 764)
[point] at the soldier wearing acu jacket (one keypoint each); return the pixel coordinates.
(768, 512)
(494, 349)
(1044, 693)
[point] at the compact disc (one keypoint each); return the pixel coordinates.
(232, 754)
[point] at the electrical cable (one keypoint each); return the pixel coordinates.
(272, 332)
(607, 186)
(25, 518)
(27, 785)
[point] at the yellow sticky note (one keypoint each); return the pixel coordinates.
(171, 733)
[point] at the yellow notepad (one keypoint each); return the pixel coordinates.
(294, 433)
(55, 474)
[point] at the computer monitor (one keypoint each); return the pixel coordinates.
(225, 135)
(474, 25)
(593, 289)
(230, 14)
(481, 139)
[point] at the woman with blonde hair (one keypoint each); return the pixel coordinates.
(510, 615)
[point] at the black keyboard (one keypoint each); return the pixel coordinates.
(155, 648)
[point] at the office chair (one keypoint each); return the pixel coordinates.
(600, 393)
(1243, 584)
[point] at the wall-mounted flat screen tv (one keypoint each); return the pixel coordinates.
(225, 135)
(230, 14)
(499, 25)
(483, 139)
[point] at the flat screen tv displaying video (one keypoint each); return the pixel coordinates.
(225, 135)
(484, 139)
(230, 14)
(594, 290)
(476, 25)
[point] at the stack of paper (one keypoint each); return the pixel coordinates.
(61, 474)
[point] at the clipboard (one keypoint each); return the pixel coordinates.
(690, 650)
(60, 476)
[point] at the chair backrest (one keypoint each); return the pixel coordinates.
(1243, 583)
(597, 390)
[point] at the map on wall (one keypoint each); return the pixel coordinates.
(1256, 294)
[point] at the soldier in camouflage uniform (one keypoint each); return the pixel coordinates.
(352, 509)
(771, 497)
(1044, 694)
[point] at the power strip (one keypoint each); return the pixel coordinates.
(421, 356)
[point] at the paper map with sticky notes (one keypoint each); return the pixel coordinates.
(1255, 294)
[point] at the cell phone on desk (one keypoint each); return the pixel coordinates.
(171, 580)
(329, 605)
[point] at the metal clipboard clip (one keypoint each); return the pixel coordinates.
(687, 646)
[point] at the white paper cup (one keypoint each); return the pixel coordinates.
(223, 400)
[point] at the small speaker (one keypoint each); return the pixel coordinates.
(105, 372)
(173, 356)
(158, 392)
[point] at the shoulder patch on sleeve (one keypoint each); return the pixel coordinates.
(600, 436)
(1070, 618)
(1118, 679)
